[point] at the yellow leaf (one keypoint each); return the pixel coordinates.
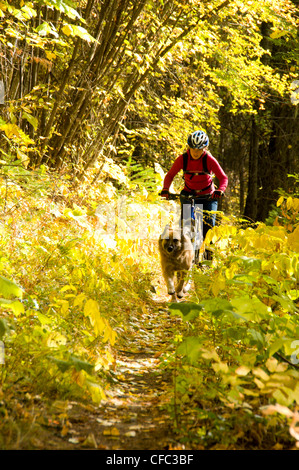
(242, 370)
(110, 335)
(271, 364)
(221, 367)
(259, 383)
(111, 432)
(16, 306)
(271, 409)
(64, 308)
(293, 240)
(280, 201)
(289, 203)
(79, 300)
(210, 354)
(67, 29)
(50, 55)
(23, 157)
(96, 391)
(68, 288)
(55, 340)
(231, 271)
(92, 311)
(11, 130)
(91, 308)
(296, 204)
(64, 431)
(218, 285)
(261, 374)
(90, 441)
(79, 377)
(277, 34)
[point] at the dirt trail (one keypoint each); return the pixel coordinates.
(133, 416)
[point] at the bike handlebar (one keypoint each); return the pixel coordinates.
(173, 196)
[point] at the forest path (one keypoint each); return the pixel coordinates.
(135, 414)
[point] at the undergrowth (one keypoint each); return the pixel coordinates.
(237, 369)
(66, 287)
(77, 263)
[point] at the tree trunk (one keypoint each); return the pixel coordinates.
(279, 158)
(251, 200)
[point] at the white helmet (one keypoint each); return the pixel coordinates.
(198, 140)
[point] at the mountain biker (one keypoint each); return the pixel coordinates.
(198, 165)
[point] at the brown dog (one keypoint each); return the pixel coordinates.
(176, 252)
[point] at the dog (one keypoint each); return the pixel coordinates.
(177, 255)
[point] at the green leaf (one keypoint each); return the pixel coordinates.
(251, 308)
(73, 361)
(257, 338)
(243, 279)
(187, 310)
(9, 288)
(191, 348)
(285, 302)
(82, 33)
(63, 366)
(276, 346)
(43, 319)
(236, 334)
(217, 306)
(82, 365)
(31, 119)
(44, 29)
(252, 264)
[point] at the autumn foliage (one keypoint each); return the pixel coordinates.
(97, 98)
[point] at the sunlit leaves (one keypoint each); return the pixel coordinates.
(246, 335)
(14, 133)
(182, 57)
(64, 7)
(73, 30)
(91, 310)
(9, 288)
(44, 29)
(14, 305)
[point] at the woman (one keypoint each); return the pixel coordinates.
(198, 166)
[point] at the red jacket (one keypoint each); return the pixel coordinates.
(197, 182)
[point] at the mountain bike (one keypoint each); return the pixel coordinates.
(194, 225)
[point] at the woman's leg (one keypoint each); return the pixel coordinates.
(209, 216)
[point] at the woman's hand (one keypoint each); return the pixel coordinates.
(217, 194)
(165, 193)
